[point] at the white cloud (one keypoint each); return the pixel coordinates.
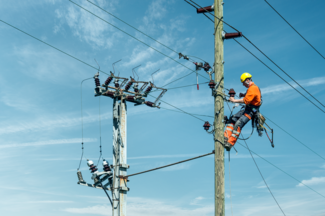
(146, 207)
(50, 142)
(88, 27)
(50, 201)
(284, 87)
(49, 122)
(197, 200)
(312, 181)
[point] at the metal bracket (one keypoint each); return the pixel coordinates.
(123, 188)
(93, 186)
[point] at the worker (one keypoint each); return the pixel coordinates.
(252, 101)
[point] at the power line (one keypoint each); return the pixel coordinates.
(82, 123)
(193, 71)
(281, 170)
(179, 109)
(186, 113)
(295, 30)
(263, 177)
(147, 36)
(53, 47)
(294, 138)
(169, 165)
(278, 75)
(271, 61)
(132, 27)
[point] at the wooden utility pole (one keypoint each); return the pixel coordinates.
(219, 110)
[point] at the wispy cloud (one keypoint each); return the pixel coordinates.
(312, 181)
(197, 200)
(50, 201)
(284, 87)
(48, 122)
(87, 27)
(146, 207)
(44, 143)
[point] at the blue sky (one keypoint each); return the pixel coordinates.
(40, 124)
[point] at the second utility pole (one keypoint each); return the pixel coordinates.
(219, 111)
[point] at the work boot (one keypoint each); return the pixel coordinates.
(228, 146)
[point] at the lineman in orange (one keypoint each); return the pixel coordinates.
(252, 100)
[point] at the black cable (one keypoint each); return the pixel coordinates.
(263, 177)
(170, 164)
(271, 61)
(107, 195)
(295, 30)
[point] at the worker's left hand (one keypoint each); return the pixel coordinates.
(232, 99)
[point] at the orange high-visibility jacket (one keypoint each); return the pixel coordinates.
(253, 95)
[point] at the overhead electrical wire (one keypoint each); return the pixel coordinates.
(271, 61)
(144, 34)
(273, 165)
(294, 138)
(263, 177)
(295, 30)
(53, 47)
(186, 113)
(300, 182)
(257, 169)
(82, 123)
(193, 71)
(157, 168)
(179, 109)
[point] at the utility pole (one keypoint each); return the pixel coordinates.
(117, 178)
(120, 189)
(219, 110)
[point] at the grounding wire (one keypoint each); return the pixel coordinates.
(263, 177)
(52, 46)
(272, 62)
(193, 71)
(82, 123)
(295, 30)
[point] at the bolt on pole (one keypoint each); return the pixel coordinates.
(219, 110)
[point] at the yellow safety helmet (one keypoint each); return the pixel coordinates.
(244, 76)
